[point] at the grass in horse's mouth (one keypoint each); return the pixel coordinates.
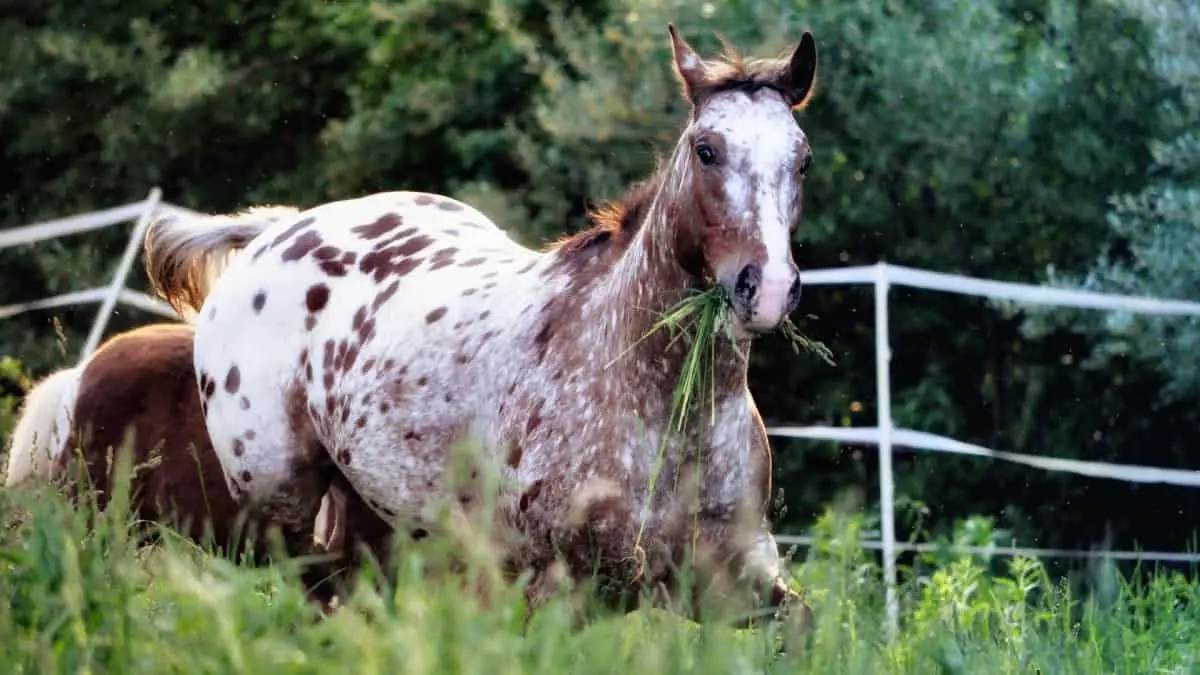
(711, 316)
(705, 316)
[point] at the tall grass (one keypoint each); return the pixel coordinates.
(75, 599)
(701, 319)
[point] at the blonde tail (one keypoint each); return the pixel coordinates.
(40, 437)
(186, 254)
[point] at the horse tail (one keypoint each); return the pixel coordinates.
(186, 254)
(40, 437)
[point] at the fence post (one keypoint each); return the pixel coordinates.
(883, 385)
(122, 272)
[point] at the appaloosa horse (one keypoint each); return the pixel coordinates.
(366, 336)
(143, 382)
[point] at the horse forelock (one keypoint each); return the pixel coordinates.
(730, 71)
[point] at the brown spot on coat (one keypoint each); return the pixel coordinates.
(367, 331)
(414, 245)
(530, 495)
(303, 245)
(333, 268)
(535, 420)
(383, 263)
(514, 455)
(442, 258)
(233, 379)
(382, 225)
(435, 315)
(316, 297)
(260, 299)
(291, 231)
(384, 295)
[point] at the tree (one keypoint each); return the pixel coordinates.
(1154, 232)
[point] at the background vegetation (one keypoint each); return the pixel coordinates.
(1026, 140)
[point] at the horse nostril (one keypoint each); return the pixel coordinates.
(748, 280)
(793, 296)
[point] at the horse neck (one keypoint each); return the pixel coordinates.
(645, 282)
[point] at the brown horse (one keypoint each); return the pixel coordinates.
(142, 381)
(364, 337)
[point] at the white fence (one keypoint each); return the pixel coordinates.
(882, 276)
(107, 296)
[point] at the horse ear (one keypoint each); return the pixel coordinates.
(689, 68)
(801, 72)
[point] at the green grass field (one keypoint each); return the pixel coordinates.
(80, 601)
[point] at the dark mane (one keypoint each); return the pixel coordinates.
(614, 223)
(732, 72)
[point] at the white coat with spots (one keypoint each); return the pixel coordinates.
(367, 336)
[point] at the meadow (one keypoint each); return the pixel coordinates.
(80, 599)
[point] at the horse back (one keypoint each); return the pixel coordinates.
(143, 382)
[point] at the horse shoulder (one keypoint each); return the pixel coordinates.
(739, 458)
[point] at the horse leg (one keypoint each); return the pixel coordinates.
(351, 531)
(747, 562)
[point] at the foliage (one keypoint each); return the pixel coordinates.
(13, 385)
(96, 602)
(1154, 232)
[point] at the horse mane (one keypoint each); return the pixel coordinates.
(614, 222)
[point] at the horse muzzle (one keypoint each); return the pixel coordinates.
(762, 299)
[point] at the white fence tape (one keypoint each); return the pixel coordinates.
(870, 545)
(128, 297)
(897, 275)
(924, 441)
(61, 227)
(84, 222)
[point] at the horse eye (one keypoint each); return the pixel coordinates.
(707, 155)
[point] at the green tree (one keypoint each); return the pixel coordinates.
(1154, 232)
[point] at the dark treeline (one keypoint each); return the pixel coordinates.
(980, 137)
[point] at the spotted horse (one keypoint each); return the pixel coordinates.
(364, 337)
